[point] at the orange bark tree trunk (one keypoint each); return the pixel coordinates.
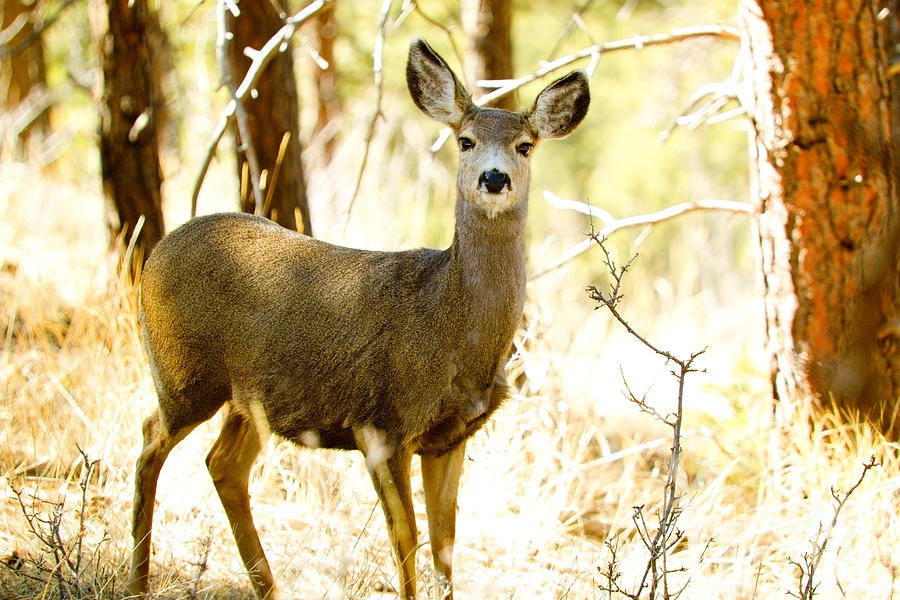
(824, 175)
(487, 25)
(272, 112)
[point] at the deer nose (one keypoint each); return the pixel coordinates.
(494, 181)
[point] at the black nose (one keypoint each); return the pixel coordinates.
(494, 181)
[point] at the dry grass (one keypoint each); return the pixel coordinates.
(553, 478)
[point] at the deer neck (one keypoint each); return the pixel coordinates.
(487, 271)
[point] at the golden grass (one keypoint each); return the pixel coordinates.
(552, 478)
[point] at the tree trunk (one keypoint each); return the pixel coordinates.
(487, 24)
(327, 101)
(129, 146)
(23, 80)
(824, 176)
(273, 112)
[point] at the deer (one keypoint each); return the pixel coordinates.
(392, 353)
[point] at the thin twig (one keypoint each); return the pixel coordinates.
(667, 535)
(612, 224)
(449, 30)
(377, 68)
(574, 21)
(9, 50)
(706, 103)
(806, 586)
(245, 141)
(633, 43)
(259, 60)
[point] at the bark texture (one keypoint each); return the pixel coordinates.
(23, 80)
(487, 25)
(328, 104)
(823, 173)
(273, 111)
(129, 110)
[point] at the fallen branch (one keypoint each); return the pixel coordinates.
(259, 60)
(612, 224)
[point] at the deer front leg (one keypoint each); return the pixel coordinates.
(440, 478)
(389, 468)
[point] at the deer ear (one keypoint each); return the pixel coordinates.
(561, 106)
(433, 86)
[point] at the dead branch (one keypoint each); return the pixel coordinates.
(806, 586)
(8, 50)
(612, 224)
(411, 6)
(638, 42)
(658, 543)
(259, 60)
(377, 67)
(223, 36)
(707, 104)
(577, 20)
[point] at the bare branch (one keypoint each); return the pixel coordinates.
(806, 586)
(7, 50)
(223, 37)
(576, 20)
(666, 536)
(259, 60)
(706, 104)
(612, 225)
(377, 64)
(638, 42)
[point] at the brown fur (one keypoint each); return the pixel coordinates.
(391, 353)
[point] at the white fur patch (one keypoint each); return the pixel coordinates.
(494, 204)
(259, 419)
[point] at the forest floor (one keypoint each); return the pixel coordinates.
(559, 495)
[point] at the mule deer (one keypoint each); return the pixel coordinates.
(390, 353)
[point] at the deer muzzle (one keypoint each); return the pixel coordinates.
(494, 181)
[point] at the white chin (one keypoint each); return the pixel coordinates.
(494, 204)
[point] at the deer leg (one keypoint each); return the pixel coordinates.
(390, 475)
(440, 478)
(158, 442)
(229, 462)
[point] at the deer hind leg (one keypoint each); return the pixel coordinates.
(440, 478)
(229, 462)
(389, 469)
(158, 442)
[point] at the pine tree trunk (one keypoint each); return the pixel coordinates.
(487, 24)
(824, 176)
(274, 111)
(129, 147)
(328, 104)
(23, 79)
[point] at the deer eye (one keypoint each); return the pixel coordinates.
(466, 144)
(524, 148)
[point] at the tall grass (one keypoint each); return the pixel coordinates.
(547, 484)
